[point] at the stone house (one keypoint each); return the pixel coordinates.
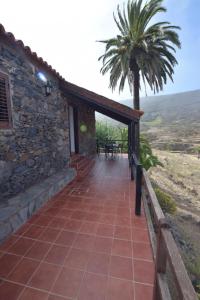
(43, 121)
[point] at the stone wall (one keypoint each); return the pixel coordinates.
(37, 145)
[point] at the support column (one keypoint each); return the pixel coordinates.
(129, 144)
(137, 140)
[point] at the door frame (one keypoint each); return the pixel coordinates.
(76, 133)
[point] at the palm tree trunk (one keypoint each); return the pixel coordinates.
(136, 102)
(136, 86)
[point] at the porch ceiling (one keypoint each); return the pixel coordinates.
(101, 104)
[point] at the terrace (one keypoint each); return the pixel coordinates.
(87, 243)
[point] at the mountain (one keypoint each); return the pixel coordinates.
(171, 122)
(182, 107)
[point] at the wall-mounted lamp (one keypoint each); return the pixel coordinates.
(48, 88)
(47, 83)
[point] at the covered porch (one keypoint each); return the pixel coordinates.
(85, 243)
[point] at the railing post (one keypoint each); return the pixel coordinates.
(161, 258)
(138, 186)
(97, 143)
(129, 144)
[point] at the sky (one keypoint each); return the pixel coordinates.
(64, 33)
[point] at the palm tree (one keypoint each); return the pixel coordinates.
(141, 49)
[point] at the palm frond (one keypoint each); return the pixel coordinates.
(150, 46)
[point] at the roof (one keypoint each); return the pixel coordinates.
(100, 103)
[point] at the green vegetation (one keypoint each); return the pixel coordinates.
(166, 202)
(106, 132)
(147, 158)
(157, 121)
(193, 267)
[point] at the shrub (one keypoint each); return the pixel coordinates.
(147, 158)
(166, 202)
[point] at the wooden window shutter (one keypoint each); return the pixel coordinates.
(5, 114)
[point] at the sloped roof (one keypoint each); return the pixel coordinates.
(100, 103)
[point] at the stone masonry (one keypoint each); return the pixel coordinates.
(37, 145)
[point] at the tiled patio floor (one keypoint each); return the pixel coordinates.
(84, 244)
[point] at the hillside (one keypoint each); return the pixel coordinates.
(172, 122)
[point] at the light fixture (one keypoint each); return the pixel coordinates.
(48, 88)
(41, 76)
(47, 85)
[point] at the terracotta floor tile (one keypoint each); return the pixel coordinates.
(88, 227)
(119, 289)
(98, 263)
(105, 230)
(84, 241)
(52, 211)
(73, 225)
(107, 219)
(139, 222)
(57, 254)
(57, 223)
(34, 232)
(65, 213)
(43, 220)
(143, 292)
(7, 264)
(143, 271)
(32, 294)
(55, 297)
(103, 244)
(121, 267)
(8, 243)
(122, 248)
(38, 250)
(78, 215)
(73, 205)
(21, 246)
(92, 217)
(10, 291)
(66, 238)
(77, 259)
(49, 235)
(93, 287)
(44, 276)
(96, 208)
(122, 232)
(123, 221)
(24, 228)
(142, 251)
(23, 271)
(140, 235)
(68, 282)
(123, 211)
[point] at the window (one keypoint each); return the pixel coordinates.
(5, 116)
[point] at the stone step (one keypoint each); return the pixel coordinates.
(17, 210)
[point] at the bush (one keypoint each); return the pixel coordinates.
(166, 202)
(147, 158)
